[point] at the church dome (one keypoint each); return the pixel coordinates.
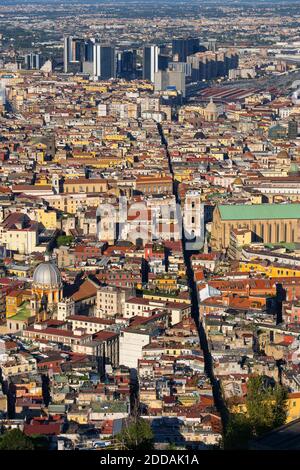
(294, 169)
(211, 107)
(47, 275)
(283, 154)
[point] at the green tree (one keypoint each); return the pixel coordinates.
(280, 407)
(266, 410)
(64, 240)
(15, 440)
(238, 432)
(266, 405)
(136, 435)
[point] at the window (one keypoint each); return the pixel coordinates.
(277, 233)
(285, 232)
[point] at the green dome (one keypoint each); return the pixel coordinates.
(294, 168)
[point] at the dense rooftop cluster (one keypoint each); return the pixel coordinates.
(149, 243)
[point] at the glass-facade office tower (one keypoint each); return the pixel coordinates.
(33, 61)
(74, 53)
(183, 47)
(126, 64)
(104, 61)
(154, 59)
(150, 62)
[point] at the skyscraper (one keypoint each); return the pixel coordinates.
(150, 62)
(209, 65)
(89, 50)
(126, 64)
(183, 47)
(155, 58)
(74, 53)
(104, 61)
(68, 40)
(212, 45)
(33, 61)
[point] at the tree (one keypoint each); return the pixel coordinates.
(266, 405)
(266, 410)
(15, 440)
(238, 432)
(64, 240)
(136, 435)
(280, 407)
(46, 389)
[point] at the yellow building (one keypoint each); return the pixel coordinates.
(165, 283)
(18, 271)
(47, 218)
(148, 397)
(27, 389)
(83, 185)
(243, 237)
(13, 302)
(293, 406)
(238, 239)
(20, 240)
(42, 181)
(79, 416)
(115, 137)
(188, 400)
(70, 203)
(151, 295)
(272, 270)
(19, 365)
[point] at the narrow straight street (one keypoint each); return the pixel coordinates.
(217, 393)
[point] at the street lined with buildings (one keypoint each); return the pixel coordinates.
(149, 226)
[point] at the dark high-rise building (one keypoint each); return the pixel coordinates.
(104, 66)
(183, 47)
(67, 52)
(231, 61)
(220, 64)
(210, 65)
(163, 61)
(126, 64)
(193, 46)
(212, 45)
(74, 53)
(150, 62)
(155, 58)
(181, 67)
(89, 51)
(293, 130)
(33, 61)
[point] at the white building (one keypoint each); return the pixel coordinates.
(131, 346)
